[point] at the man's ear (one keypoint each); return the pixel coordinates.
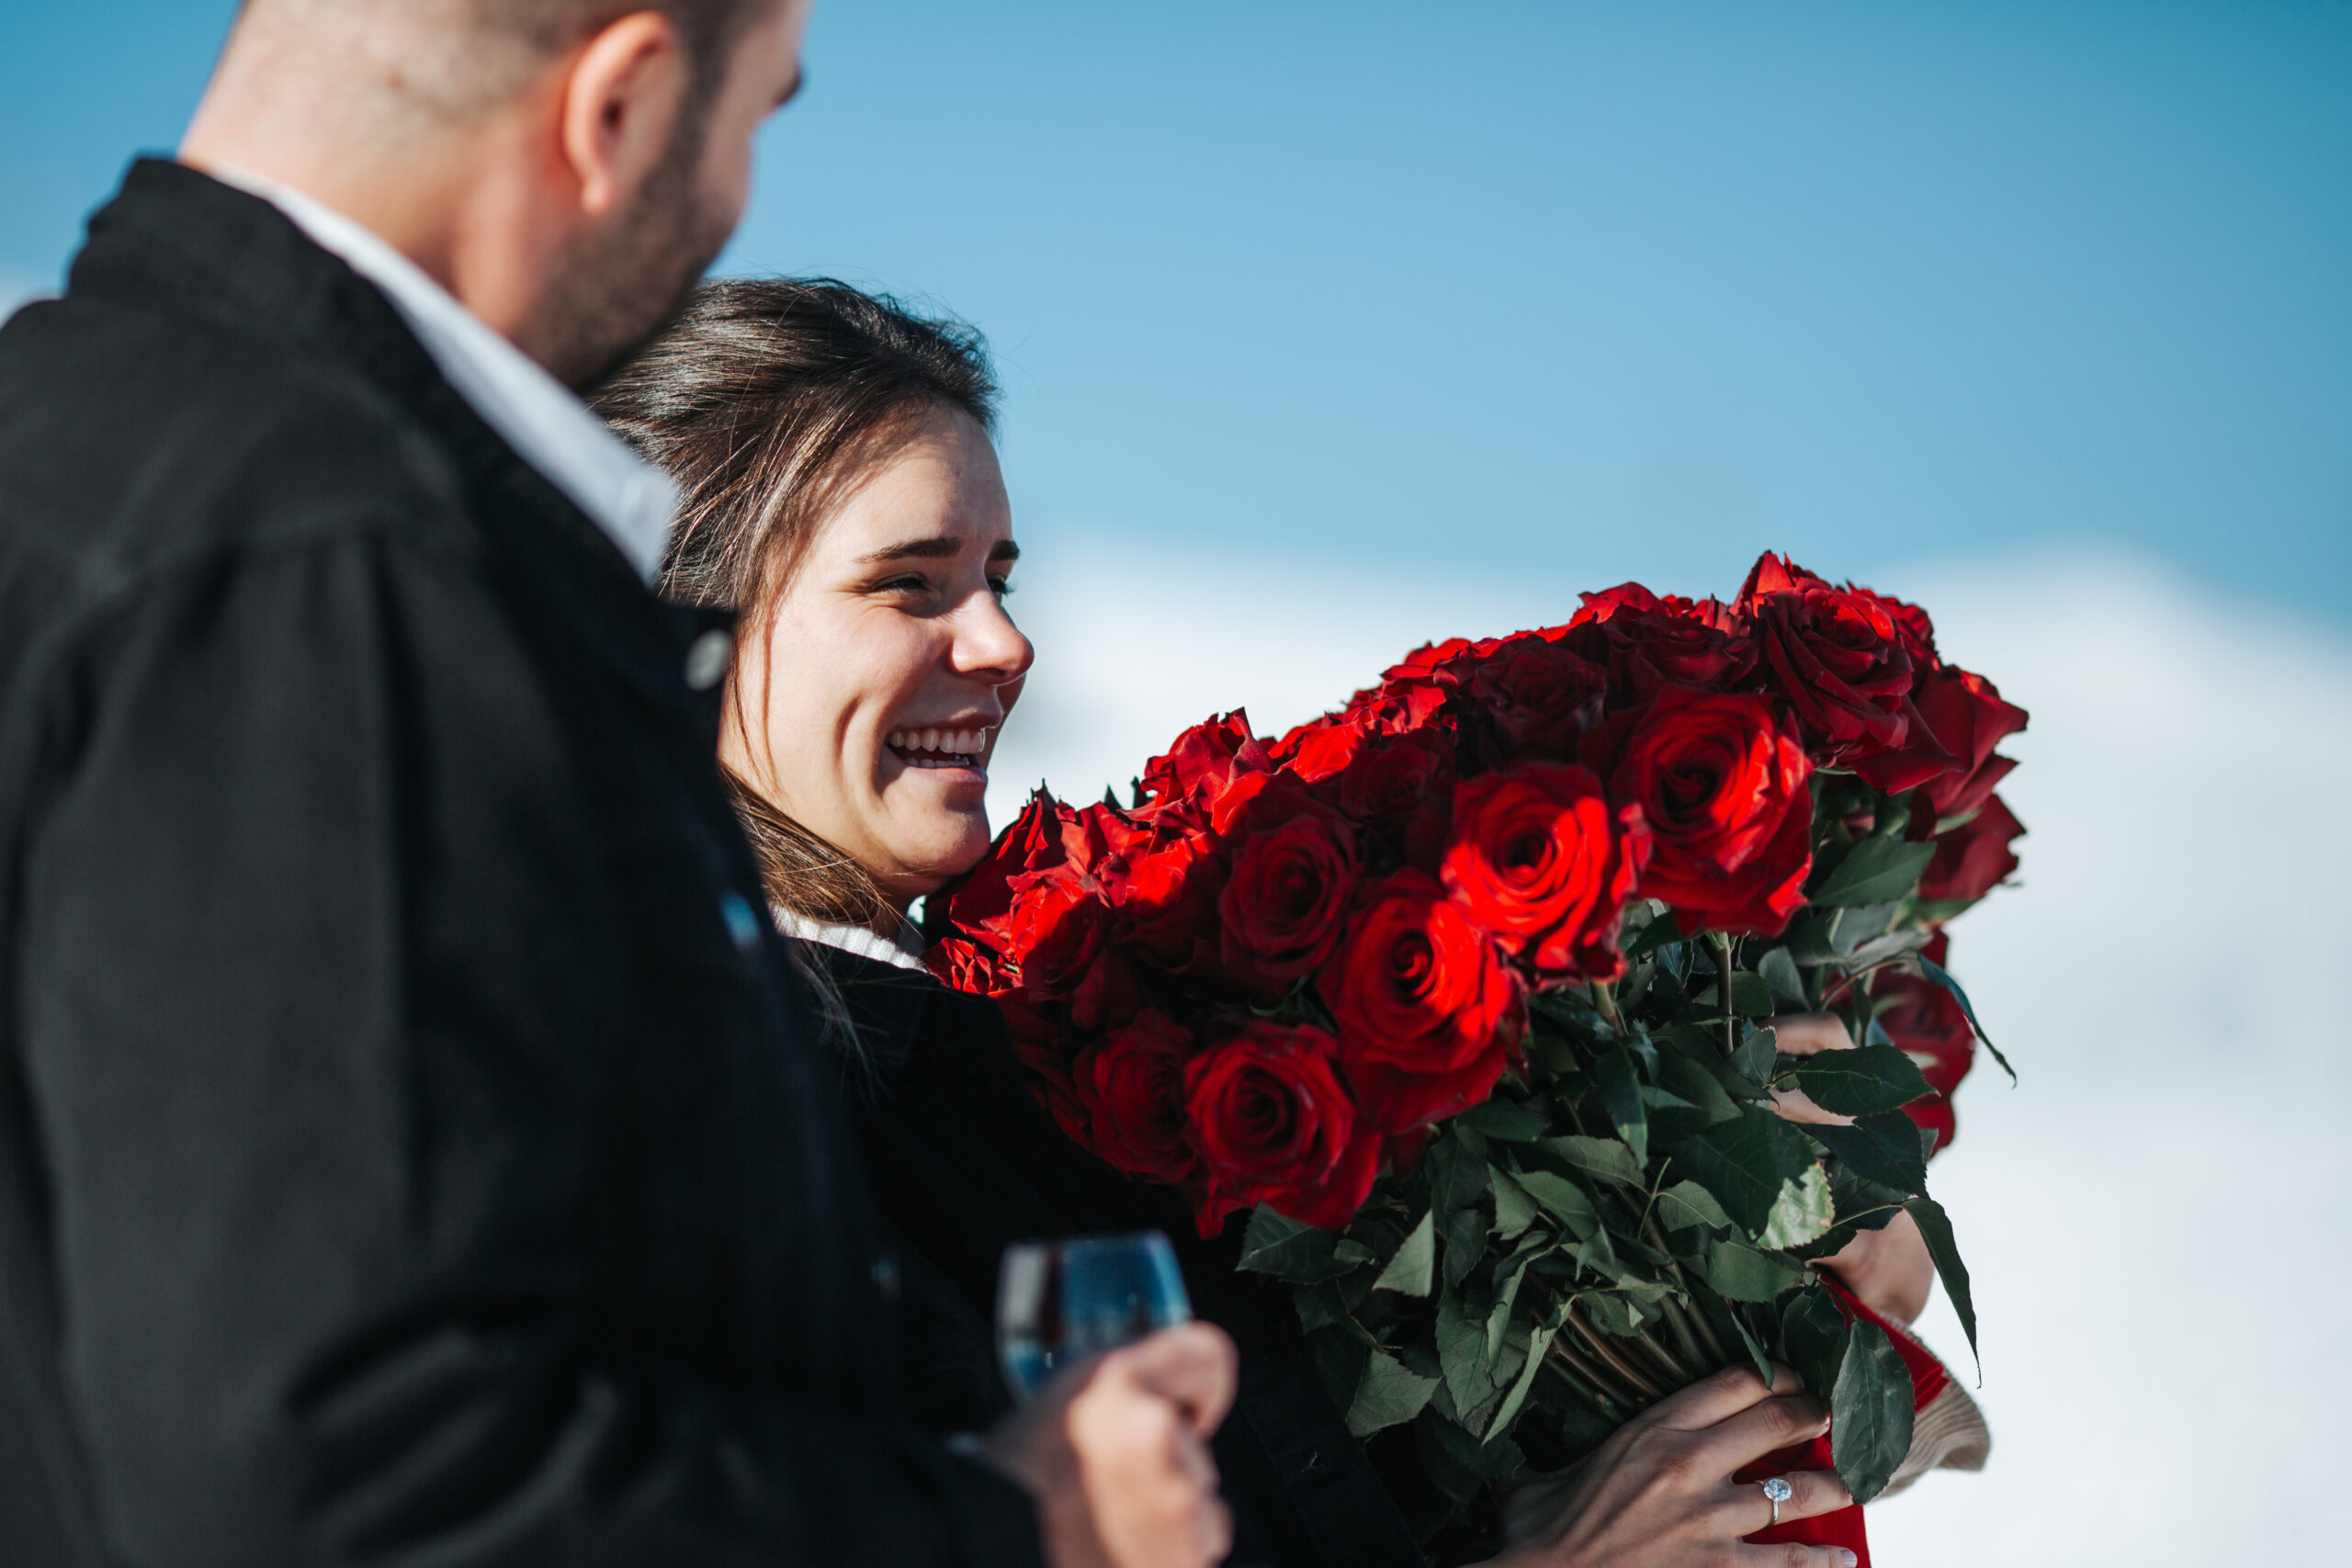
(625, 98)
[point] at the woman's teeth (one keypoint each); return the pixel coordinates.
(939, 748)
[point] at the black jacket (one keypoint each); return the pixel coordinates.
(411, 1148)
(962, 1161)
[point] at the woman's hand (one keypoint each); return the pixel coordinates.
(1890, 1270)
(1659, 1493)
(1116, 1451)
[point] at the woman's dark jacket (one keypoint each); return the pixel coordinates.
(963, 1161)
(411, 1147)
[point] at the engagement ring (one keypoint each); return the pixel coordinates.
(1777, 1491)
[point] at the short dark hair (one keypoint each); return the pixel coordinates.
(764, 399)
(709, 26)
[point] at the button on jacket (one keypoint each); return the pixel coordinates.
(410, 1149)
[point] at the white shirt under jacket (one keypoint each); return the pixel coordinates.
(548, 425)
(906, 953)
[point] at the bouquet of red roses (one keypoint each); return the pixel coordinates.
(1463, 992)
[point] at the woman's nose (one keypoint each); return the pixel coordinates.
(988, 643)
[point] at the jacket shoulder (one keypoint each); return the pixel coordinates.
(133, 441)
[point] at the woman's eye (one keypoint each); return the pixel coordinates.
(1000, 586)
(905, 585)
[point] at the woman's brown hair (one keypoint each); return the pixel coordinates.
(766, 400)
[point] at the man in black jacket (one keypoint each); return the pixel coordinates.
(408, 1148)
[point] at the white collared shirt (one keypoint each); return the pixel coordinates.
(906, 953)
(550, 428)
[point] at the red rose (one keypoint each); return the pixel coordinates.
(1974, 857)
(1167, 897)
(1032, 844)
(1055, 931)
(1422, 1000)
(1722, 785)
(965, 965)
(1968, 718)
(1542, 860)
(1927, 1024)
(1319, 748)
(1394, 777)
(1539, 695)
(1287, 900)
(1204, 760)
(1646, 642)
(1133, 1086)
(1844, 664)
(1043, 1050)
(1273, 1124)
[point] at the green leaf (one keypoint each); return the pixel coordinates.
(1410, 1272)
(1506, 1122)
(1462, 1352)
(1870, 1412)
(1620, 1096)
(1858, 928)
(1687, 1203)
(1661, 931)
(1604, 1158)
(1779, 971)
(1935, 1226)
(1876, 870)
(1934, 971)
(1390, 1395)
(1893, 945)
(1746, 1163)
(1882, 1149)
(1456, 1175)
(1801, 1212)
(1861, 1081)
(1750, 996)
(1507, 1285)
(1754, 1059)
(1539, 1341)
(1465, 1242)
(1740, 1273)
(1515, 1208)
(1563, 1199)
(1293, 1253)
(1812, 1333)
(1761, 1363)
(1697, 1084)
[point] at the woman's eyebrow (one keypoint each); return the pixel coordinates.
(941, 549)
(1005, 550)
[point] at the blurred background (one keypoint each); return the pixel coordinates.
(1329, 328)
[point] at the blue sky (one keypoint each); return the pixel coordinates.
(1554, 290)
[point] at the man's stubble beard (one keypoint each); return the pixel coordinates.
(615, 290)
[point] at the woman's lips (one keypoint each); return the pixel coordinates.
(939, 748)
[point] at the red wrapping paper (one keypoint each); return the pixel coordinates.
(1843, 1528)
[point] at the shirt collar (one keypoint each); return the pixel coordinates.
(906, 953)
(550, 428)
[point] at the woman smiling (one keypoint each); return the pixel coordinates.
(842, 495)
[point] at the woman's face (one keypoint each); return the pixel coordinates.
(868, 710)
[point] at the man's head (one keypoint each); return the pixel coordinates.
(568, 168)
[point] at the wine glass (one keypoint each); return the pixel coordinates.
(1059, 1301)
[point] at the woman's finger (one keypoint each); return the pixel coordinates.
(1811, 1491)
(1716, 1398)
(1791, 1555)
(1193, 1365)
(1808, 1033)
(1764, 1426)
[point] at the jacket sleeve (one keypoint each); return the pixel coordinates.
(315, 990)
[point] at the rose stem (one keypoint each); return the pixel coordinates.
(1583, 1385)
(1675, 1310)
(1604, 1002)
(1616, 1363)
(1609, 1390)
(1683, 1337)
(1661, 1359)
(1723, 990)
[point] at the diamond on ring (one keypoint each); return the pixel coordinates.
(1777, 1491)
